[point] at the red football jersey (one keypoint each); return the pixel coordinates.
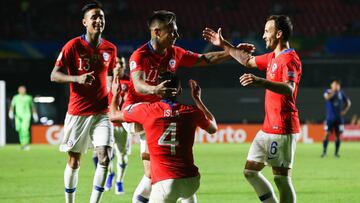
(78, 57)
(145, 59)
(170, 130)
(124, 83)
(281, 114)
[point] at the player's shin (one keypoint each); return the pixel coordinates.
(70, 182)
(286, 189)
(142, 192)
(98, 183)
(261, 186)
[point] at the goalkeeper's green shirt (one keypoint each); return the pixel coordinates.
(22, 104)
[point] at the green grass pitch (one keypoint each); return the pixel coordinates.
(36, 176)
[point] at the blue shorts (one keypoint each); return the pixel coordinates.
(334, 125)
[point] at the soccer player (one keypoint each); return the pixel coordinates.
(85, 62)
(170, 130)
(274, 144)
(23, 106)
(146, 63)
(337, 105)
(122, 145)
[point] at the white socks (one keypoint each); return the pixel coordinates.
(121, 165)
(262, 186)
(70, 182)
(286, 189)
(99, 182)
(142, 192)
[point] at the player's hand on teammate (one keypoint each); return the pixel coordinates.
(213, 37)
(195, 90)
(164, 91)
(86, 78)
(246, 47)
(250, 79)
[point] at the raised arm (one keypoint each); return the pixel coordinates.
(241, 53)
(115, 115)
(196, 95)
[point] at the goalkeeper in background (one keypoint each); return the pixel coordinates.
(21, 108)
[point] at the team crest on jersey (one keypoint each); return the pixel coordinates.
(132, 65)
(274, 67)
(172, 63)
(106, 56)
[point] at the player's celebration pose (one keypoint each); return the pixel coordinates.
(84, 62)
(170, 129)
(274, 144)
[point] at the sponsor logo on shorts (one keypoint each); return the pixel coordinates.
(70, 143)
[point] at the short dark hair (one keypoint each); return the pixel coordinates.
(163, 16)
(334, 79)
(91, 5)
(283, 23)
(174, 79)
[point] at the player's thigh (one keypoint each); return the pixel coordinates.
(76, 133)
(101, 132)
(281, 150)
(257, 152)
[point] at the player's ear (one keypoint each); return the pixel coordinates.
(279, 33)
(84, 22)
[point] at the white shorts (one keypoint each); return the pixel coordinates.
(171, 190)
(122, 143)
(273, 149)
(134, 129)
(82, 132)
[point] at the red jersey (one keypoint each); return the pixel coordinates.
(145, 59)
(124, 83)
(170, 130)
(281, 114)
(78, 57)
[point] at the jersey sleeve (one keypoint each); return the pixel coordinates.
(137, 62)
(113, 60)
(291, 72)
(64, 56)
(344, 97)
(262, 61)
(187, 58)
(136, 113)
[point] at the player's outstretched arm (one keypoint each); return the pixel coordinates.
(58, 76)
(115, 115)
(196, 95)
(142, 87)
(241, 53)
(284, 88)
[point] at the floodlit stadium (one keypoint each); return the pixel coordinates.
(39, 57)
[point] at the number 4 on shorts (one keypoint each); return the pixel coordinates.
(171, 130)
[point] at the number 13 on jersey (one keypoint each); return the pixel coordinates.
(171, 130)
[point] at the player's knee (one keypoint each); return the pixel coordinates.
(250, 173)
(103, 157)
